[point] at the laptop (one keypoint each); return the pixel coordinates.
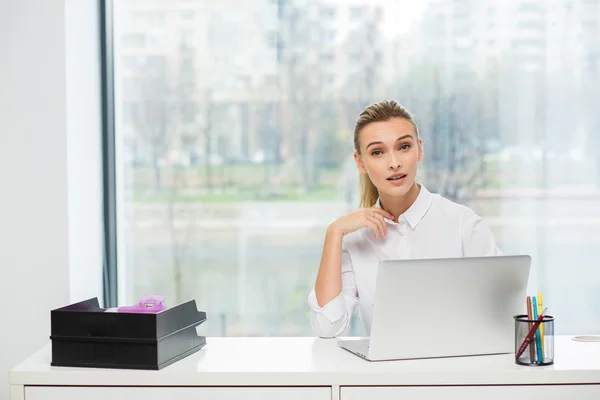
(448, 307)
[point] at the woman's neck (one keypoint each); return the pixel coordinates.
(398, 205)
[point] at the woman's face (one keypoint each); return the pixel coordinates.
(389, 154)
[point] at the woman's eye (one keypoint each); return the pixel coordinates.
(376, 153)
(405, 147)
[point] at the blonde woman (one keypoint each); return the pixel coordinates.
(398, 219)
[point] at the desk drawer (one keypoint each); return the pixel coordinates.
(179, 393)
(545, 392)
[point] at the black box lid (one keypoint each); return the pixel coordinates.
(87, 320)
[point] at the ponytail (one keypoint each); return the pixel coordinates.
(368, 192)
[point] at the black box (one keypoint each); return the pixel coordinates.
(84, 335)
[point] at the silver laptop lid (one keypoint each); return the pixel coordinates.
(447, 307)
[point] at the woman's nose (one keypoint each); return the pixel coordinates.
(394, 164)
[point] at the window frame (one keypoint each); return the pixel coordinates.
(109, 200)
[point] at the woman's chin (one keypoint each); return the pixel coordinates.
(396, 189)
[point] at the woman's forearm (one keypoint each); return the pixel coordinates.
(329, 278)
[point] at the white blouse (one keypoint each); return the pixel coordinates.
(433, 227)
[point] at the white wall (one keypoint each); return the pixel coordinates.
(84, 148)
(49, 168)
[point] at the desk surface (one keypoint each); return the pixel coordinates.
(315, 362)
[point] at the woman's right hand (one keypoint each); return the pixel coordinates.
(363, 218)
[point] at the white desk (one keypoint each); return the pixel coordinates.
(312, 368)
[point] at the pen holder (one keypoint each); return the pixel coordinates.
(540, 349)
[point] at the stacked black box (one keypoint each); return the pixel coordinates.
(84, 335)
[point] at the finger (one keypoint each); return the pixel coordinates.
(370, 215)
(378, 219)
(384, 213)
(384, 224)
(373, 227)
(379, 216)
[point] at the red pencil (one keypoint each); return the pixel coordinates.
(530, 334)
(530, 317)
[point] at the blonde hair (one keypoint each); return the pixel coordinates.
(377, 112)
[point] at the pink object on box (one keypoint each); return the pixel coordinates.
(148, 304)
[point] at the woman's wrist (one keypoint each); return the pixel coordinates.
(333, 231)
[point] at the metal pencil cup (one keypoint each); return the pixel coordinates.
(540, 349)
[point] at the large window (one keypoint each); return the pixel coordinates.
(233, 132)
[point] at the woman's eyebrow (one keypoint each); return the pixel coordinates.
(400, 138)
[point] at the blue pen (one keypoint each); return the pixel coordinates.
(538, 342)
